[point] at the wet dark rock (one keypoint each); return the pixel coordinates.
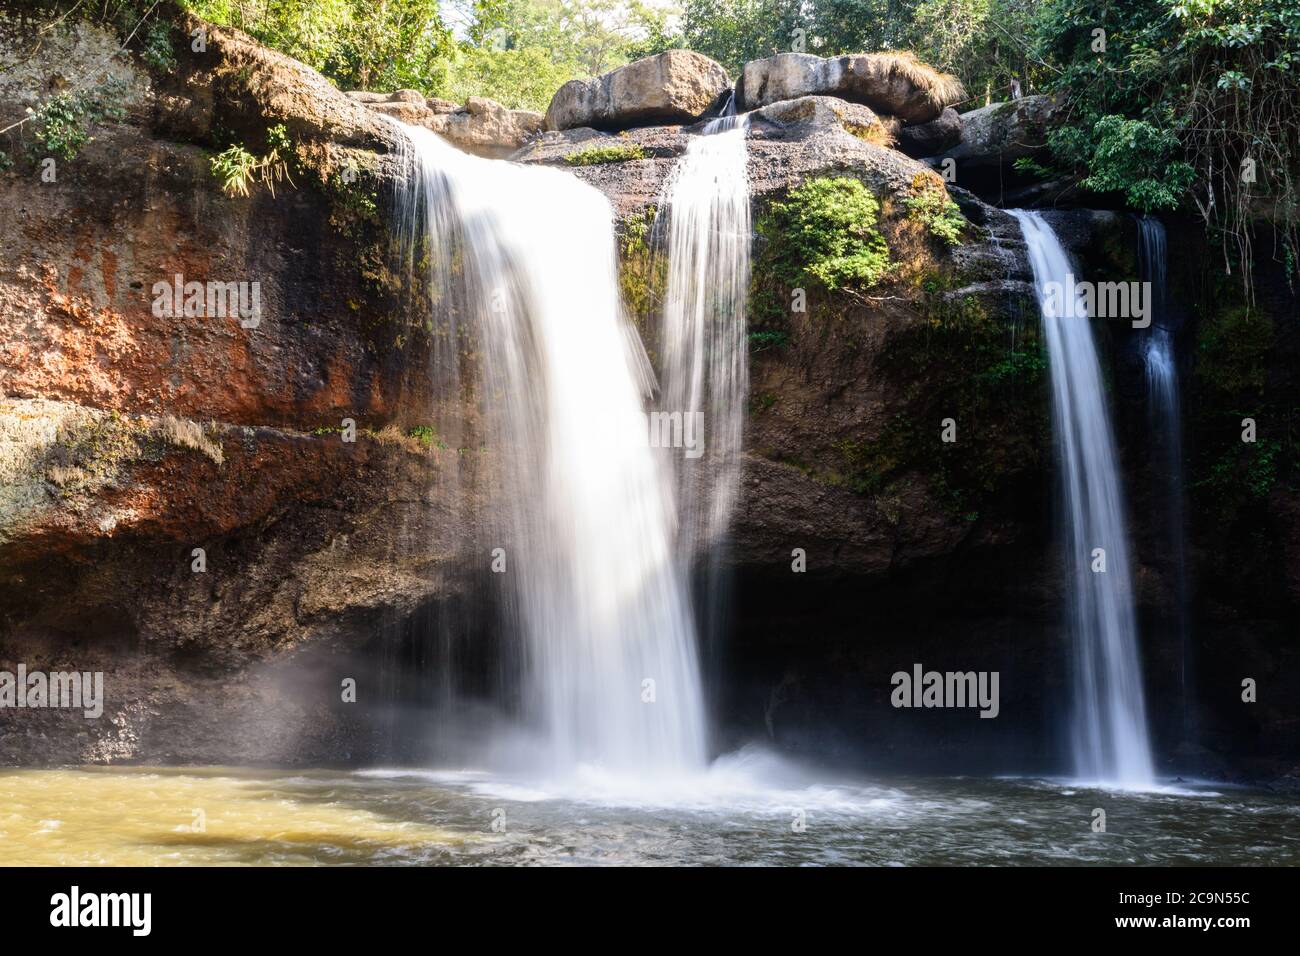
(932, 138)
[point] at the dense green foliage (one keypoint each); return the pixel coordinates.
(1171, 104)
(826, 234)
(1191, 103)
(515, 51)
(360, 44)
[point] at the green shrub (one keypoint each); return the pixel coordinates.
(940, 215)
(237, 168)
(826, 234)
(156, 45)
(62, 125)
(597, 155)
(1136, 159)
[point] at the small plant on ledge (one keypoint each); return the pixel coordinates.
(598, 155)
(238, 169)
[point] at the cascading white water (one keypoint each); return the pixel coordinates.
(1164, 405)
(1109, 713)
(526, 255)
(705, 366)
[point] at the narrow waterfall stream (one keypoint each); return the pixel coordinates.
(1109, 728)
(596, 585)
(1165, 409)
(705, 369)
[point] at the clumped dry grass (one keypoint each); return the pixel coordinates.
(876, 134)
(418, 439)
(184, 433)
(64, 475)
(944, 89)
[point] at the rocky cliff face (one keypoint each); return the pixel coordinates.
(129, 438)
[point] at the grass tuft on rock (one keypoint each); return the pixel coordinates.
(943, 89)
(184, 433)
(598, 155)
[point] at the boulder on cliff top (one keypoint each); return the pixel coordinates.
(896, 84)
(1001, 133)
(677, 86)
(241, 87)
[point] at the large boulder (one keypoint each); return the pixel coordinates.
(813, 115)
(998, 134)
(932, 138)
(674, 87)
(488, 128)
(482, 126)
(896, 84)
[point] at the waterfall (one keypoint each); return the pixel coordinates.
(705, 363)
(1109, 715)
(525, 256)
(1160, 359)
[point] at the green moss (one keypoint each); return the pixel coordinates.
(1018, 365)
(1232, 348)
(762, 341)
(598, 155)
(982, 371)
(424, 434)
(767, 307)
(354, 195)
(642, 276)
(870, 466)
